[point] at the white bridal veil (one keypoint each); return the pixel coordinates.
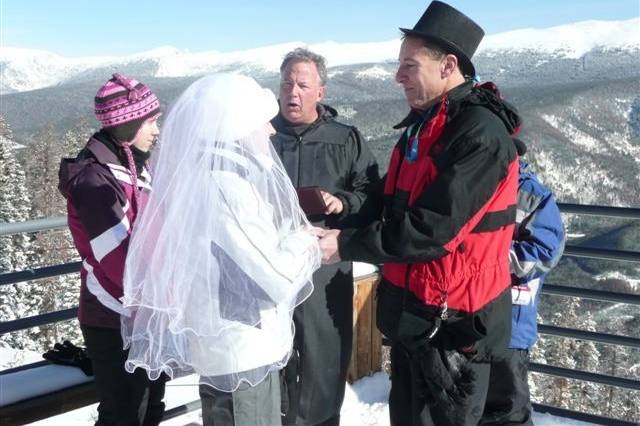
(222, 253)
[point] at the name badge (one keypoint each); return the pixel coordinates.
(520, 295)
(525, 294)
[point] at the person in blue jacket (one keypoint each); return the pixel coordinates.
(537, 246)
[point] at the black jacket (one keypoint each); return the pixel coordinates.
(330, 155)
(334, 157)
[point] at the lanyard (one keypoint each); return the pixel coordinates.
(411, 153)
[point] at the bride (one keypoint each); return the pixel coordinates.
(223, 252)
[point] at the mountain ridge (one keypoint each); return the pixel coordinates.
(30, 69)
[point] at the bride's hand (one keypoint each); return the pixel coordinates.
(316, 232)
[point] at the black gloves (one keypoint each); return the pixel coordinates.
(448, 376)
(69, 354)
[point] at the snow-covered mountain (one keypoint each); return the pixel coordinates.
(28, 69)
(577, 87)
(570, 41)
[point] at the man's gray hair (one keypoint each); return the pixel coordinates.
(305, 55)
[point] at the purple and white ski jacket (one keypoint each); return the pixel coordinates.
(101, 208)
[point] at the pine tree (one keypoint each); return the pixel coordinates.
(53, 247)
(539, 383)
(14, 249)
(14, 200)
(588, 359)
(561, 352)
(621, 362)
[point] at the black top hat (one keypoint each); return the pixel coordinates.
(451, 30)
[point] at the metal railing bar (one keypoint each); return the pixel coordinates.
(39, 273)
(66, 268)
(585, 376)
(602, 254)
(585, 293)
(593, 336)
(592, 210)
(577, 415)
(57, 222)
(38, 320)
(35, 225)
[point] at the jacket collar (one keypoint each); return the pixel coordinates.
(325, 113)
(98, 145)
(107, 151)
(453, 96)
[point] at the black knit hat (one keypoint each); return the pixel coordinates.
(446, 27)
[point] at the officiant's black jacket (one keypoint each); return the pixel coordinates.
(334, 157)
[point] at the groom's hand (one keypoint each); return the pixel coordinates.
(329, 246)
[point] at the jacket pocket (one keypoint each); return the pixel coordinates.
(399, 315)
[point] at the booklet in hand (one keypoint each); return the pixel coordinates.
(311, 200)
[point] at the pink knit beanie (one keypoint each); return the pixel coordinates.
(122, 100)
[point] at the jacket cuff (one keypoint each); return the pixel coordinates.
(345, 249)
(346, 205)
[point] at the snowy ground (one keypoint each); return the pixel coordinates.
(10, 358)
(365, 404)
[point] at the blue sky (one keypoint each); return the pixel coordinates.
(118, 27)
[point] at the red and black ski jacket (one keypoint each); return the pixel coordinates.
(447, 222)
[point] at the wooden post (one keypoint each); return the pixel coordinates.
(362, 333)
(367, 340)
(352, 372)
(376, 336)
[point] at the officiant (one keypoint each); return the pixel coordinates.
(319, 151)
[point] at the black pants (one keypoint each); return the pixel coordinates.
(508, 401)
(248, 406)
(125, 399)
(316, 374)
(411, 402)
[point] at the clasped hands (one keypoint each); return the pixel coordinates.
(328, 241)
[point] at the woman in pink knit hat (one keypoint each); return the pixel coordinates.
(106, 187)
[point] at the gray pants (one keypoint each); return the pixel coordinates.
(248, 406)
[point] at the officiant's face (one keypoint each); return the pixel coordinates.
(300, 92)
